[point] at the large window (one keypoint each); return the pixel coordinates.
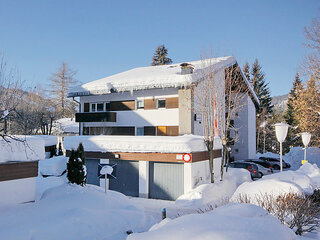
(97, 107)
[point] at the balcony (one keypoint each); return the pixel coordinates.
(96, 117)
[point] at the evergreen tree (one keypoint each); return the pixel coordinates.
(160, 56)
(76, 168)
(289, 116)
(263, 115)
(246, 71)
(261, 88)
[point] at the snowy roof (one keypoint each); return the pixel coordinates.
(164, 144)
(65, 126)
(163, 76)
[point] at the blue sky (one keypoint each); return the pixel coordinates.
(101, 38)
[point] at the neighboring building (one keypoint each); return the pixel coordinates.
(158, 101)
(19, 169)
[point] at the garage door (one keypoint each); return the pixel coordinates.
(165, 180)
(127, 181)
(92, 171)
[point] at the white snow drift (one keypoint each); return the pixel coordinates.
(233, 221)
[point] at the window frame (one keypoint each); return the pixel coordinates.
(165, 103)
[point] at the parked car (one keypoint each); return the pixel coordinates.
(275, 162)
(251, 167)
(265, 168)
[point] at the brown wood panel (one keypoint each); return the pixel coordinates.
(172, 102)
(122, 105)
(172, 130)
(150, 104)
(86, 107)
(155, 157)
(18, 170)
(161, 131)
(50, 148)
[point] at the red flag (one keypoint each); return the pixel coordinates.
(216, 132)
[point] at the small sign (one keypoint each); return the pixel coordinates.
(179, 157)
(186, 157)
(110, 176)
(304, 161)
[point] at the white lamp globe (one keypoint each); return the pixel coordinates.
(305, 138)
(281, 131)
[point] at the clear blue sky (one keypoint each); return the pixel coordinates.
(101, 38)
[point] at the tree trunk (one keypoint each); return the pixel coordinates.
(209, 144)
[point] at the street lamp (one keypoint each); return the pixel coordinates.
(305, 140)
(281, 134)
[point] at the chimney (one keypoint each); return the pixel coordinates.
(186, 68)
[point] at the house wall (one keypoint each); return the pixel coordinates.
(245, 148)
(138, 117)
(17, 191)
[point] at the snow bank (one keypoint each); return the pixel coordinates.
(233, 221)
(215, 194)
(65, 126)
(163, 76)
(53, 166)
(49, 140)
(73, 212)
(303, 181)
(179, 144)
(296, 154)
(24, 149)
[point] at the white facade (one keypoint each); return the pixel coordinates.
(17, 191)
(245, 123)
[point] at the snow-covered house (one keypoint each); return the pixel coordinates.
(19, 168)
(158, 101)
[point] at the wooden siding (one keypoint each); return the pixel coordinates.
(155, 157)
(150, 104)
(172, 102)
(172, 130)
(122, 105)
(18, 170)
(161, 131)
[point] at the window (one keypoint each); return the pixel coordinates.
(140, 104)
(150, 131)
(93, 107)
(161, 103)
(99, 107)
(140, 131)
(107, 106)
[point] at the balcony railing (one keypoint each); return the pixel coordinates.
(96, 117)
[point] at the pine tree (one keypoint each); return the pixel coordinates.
(246, 71)
(160, 56)
(76, 168)
(257, 79)
(289, 116)
(261, 88)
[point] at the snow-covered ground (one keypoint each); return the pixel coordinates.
(64, 211)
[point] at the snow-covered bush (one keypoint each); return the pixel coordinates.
(76, 168)
(298, 211)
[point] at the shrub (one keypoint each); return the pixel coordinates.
(76, 168)
(299, 212)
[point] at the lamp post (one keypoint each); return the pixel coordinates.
(305, 140)
(281, 134)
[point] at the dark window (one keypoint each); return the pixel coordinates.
(108, 106)
(85, 131)
(93, 107)
(99, 107)
(149, 131)
(86, 107)
(161, 103)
